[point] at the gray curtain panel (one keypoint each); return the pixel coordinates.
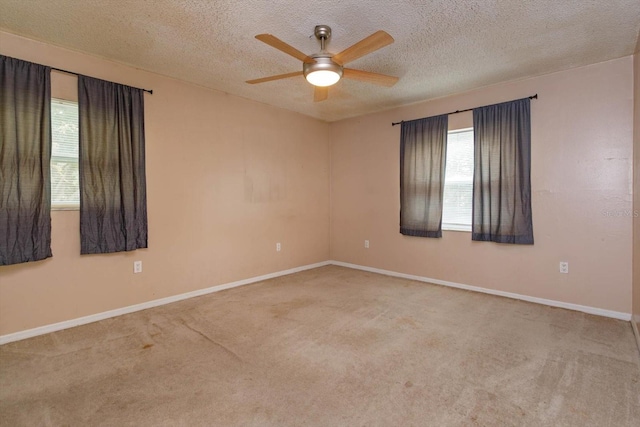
(113, 196)
(502, 177)
(423, 150)
(25, 155)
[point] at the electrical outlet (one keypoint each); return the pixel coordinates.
(278, 247)
(137, 266)
(564, 267)
(366, 244)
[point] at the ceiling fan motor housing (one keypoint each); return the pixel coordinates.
(323, 63)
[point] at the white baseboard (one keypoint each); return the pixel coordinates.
(29, 333)
(583, 308)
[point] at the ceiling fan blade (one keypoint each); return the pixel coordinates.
(368, 77)
(273, 41)
(277, 77)
(320, 93)
(375, 41)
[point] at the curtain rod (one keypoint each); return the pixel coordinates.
(71, 72)
(462, 111)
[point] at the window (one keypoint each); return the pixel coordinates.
(65, 189)
(458, 181)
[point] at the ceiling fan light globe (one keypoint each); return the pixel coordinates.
(323, 78)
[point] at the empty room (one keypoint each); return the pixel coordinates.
(341, 213)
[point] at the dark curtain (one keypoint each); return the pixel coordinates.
(113, 197)
(25, 154)
(423, 149)
(502, 177)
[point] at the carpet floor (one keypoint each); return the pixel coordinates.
(329, 347)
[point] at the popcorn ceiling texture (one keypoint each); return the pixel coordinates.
(441, 47)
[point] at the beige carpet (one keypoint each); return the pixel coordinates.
(329, 347)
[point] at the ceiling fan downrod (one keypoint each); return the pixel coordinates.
(322, 33)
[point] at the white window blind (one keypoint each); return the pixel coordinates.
(458, 181)
(65, 189)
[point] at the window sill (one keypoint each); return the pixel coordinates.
(65, 208)
(459, 228)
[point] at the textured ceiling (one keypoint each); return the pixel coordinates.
(441, 46)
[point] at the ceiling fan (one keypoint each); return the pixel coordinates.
(324, 69)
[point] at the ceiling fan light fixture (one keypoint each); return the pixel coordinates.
(323, 78)
(324, 72)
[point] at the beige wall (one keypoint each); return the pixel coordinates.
(581, 183)
(636, 190)
(227, 178)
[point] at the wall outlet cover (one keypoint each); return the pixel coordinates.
(564, 267)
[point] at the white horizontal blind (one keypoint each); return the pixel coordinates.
(65, 189)
(458, 182)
